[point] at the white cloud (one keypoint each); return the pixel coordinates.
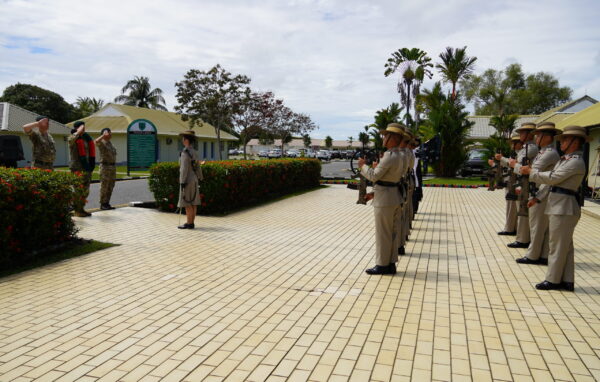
(325, 58)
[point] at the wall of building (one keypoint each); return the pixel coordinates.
(594, 158)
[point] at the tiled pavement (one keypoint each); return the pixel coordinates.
(279, 293)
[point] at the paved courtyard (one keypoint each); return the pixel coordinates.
(279, 293)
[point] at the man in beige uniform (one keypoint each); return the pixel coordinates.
(108, 169)
(403, 224)
(385, 176)
(529, 150)
(44, 151)
(537, 253)
(563, 208)
(510, 225)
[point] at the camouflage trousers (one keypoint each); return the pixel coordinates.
(43, 165)
(108, 175)
(79, 204)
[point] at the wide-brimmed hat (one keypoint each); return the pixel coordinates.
(515, 137)
(526, 126)
(546, 127)
(188, 134)
(395, 128)
(573, 131)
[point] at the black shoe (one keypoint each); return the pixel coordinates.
(379, 270)
(527, 260)
(106, 207)
(506, 233)
(401, 251)
(569, 287)
(543, 261)
(186, 226)
(392, 268)
(82, 214)
(517, 244)
(547, 285)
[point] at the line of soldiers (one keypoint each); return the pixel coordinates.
(394, 195)
(545, 209)
(82, 150)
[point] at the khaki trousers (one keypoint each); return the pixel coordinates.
(561, 260)
(523, 229)
(511, 214)
(401, 227)
(385, 234)
(538, 226)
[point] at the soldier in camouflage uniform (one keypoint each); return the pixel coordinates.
(44, 151)
(81, 163)
(108, 169)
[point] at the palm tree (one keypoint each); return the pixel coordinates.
(504, 124)
(363, 137)
(350, 140)
(456, 65)
(141, 94)
(412, 65)
(86, 106)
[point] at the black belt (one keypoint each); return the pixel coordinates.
(386, 184)
(565, 191)
(108, 163)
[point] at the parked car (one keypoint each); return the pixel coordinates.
(263, 154)
(475, 163)
(307, 153)
(336, 154)
(292, 153)
(323, 155)
(234, 152)
(276, 153)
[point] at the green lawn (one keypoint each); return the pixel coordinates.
(121, 172)
(475, 181)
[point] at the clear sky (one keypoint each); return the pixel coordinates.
(324, 58)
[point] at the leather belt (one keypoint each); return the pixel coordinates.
(565, 191)
(386, 184)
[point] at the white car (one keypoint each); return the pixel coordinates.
(263, 154)
(323, 155)
(275, 153)
(292, 153)
(308, 153)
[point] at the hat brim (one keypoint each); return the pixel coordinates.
(528, 129)
(560, 136)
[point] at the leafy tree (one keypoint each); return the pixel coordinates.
(455, 66)
(448, 118)
(285, 124)
(363, 137)
(86, 106)
(413, 66)
(328, 142)
(215, 96)
(377, 140)
(495, 143)
(350, 140)
(510, 91)
(383, 118)
(40, 101)
(138, 92)
(504, 124)
(307, 141)
(254, 115)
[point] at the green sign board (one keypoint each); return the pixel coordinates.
(142, 145)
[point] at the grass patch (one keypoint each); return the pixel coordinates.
(78, 247)
(456, 181)
(121, 172)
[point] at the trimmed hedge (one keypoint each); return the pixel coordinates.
(35, 213)
(230, 185)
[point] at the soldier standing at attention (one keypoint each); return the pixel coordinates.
(44, 151)
(563, 207)
(386, 175)
(83, 160)
(529, 150)
(537, 253)
(108, 169)
(510, 226)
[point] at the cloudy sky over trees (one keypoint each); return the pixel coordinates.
(325, 58)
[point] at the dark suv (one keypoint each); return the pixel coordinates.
(475, 163)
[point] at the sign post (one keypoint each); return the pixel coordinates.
(142, 145)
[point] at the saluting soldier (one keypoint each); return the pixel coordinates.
(529, 150)
(385, 176)
(108, 168)
(44, 151)
(83, 160)
(563, 207)
(510, 225)
(537, 252)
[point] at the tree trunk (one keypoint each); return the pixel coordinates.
(218, 130)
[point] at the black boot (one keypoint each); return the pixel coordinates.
(186, 226)
(401, 251)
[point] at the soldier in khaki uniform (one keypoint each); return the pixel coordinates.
(563, 207)
(44, 151)
(108, 168)
(510, 225)
(403, 223)
(537, 253)
(385, 176)
(82, 149)
(528, 150)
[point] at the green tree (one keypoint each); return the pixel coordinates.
(253, 117)
(350, 140)
(363, 137)
(510, 91)
(214, 96)
(328, 142)
(307, 141)
(455, 66)
(138, 92)
(40, 101)
(86, 106)
(383, 118)
(504, 124)
(448, 118)
(413, 66)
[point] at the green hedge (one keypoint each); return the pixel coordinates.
(230, 185)
(35, 212)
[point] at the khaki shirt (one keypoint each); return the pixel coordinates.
(43, 146)
(567, 173)
(389, 169)
(544, 161)
(531, 150)
(108, 152)
(186, 171)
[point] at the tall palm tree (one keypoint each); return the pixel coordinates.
(413, 66)
(455, 66)
(141, 94)
(86, 106)
(504, 124)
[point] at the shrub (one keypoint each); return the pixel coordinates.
(230, 185)
(35, 207)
